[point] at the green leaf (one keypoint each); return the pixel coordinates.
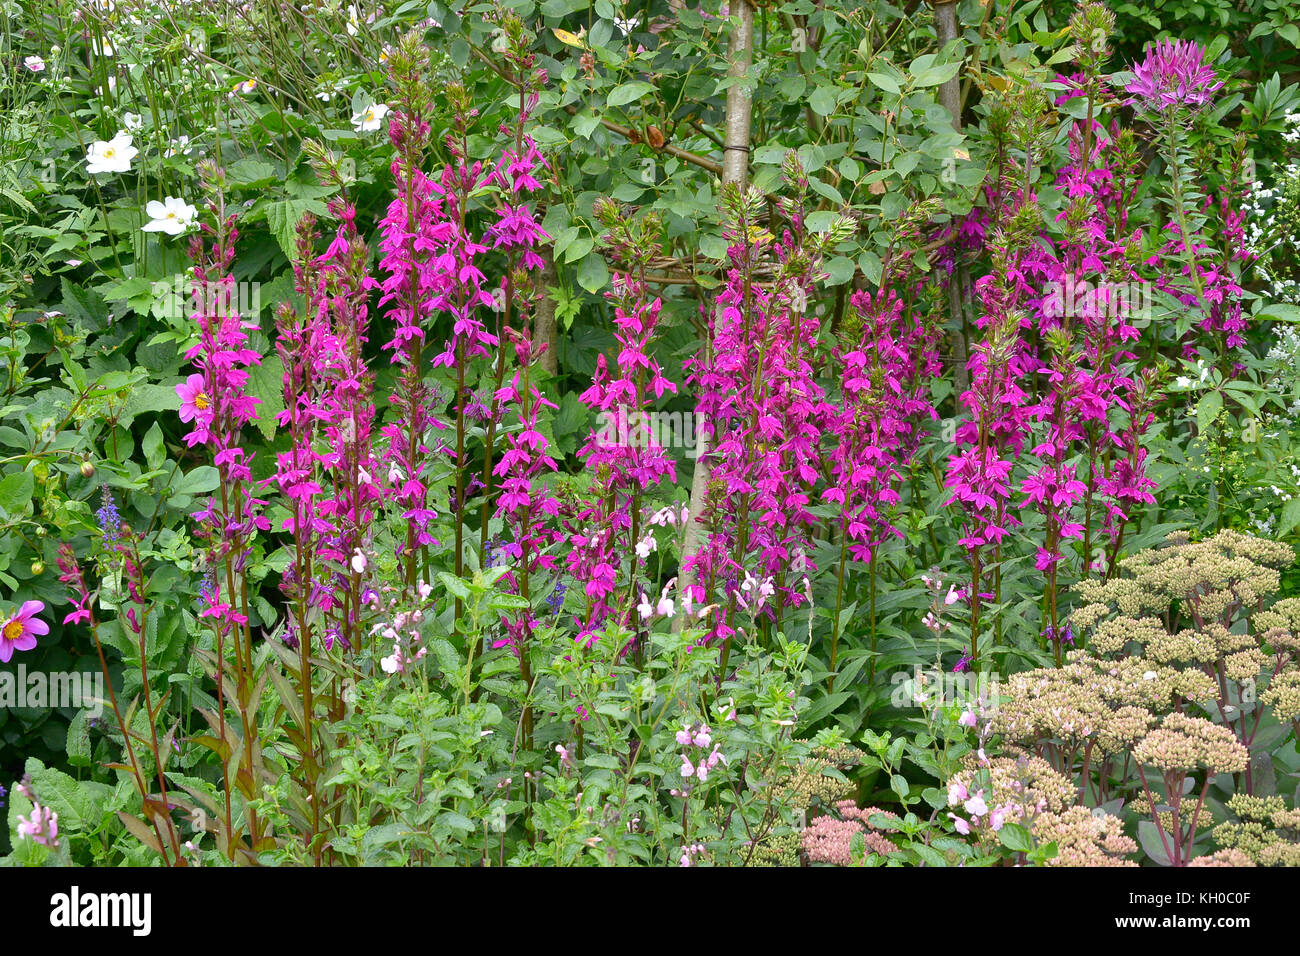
(266, 382)
(628, 93)
(898, 783)
(823, 100)
(198, 481)
(934, 75)
(454, 584)
(840, 269)
(593, 273)
(1207, 410)
(578, 248)
(1290, 517)
(884, 82)
(282, 218)
(16, 492)
(251, 172)
(152, 446)
(1013, 836)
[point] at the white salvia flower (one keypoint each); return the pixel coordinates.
(665, 606)
(425, 589)
(370, 119)
(364, 476)
(172, 216)
(354, 20)
(113, 156)
(645, 546)
(645, 609)
(358, 562)
(393, 663)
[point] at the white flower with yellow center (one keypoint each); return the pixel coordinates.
(172, 216)
(113, 156)
(370, 119)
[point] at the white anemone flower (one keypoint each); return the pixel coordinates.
(112, 157)
(172, 216)
(178, 147)
(370, 119)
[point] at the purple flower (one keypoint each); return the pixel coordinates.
(108, 517)
(1174, 73)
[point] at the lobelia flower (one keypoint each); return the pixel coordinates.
(172, 216)
(223, 356)
(411, 230)
(625, 457)
(20, 631)
(760, 407)
(883, 388)
(113, 156)
(70, 574)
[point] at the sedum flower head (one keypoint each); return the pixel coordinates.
(1283, 695)
(1183, 743)
(1084, 837)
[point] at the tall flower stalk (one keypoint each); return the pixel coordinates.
(413, 229)
(219, 406)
